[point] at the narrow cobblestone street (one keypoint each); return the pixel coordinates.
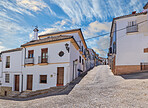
(99, 88)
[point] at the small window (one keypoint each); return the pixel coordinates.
(131, 23)
(8, 62)
(79, 59)
(30, 53)
(43, 78)
(6, 78)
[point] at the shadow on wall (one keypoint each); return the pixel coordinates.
(139, 75)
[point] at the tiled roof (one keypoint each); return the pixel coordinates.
(124, 16)
(12, 50)
(59, 32)
(48, 39)
(146, 6)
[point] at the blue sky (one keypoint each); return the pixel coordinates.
(19, 17)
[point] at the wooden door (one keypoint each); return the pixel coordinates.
(17, 77)
(29, 82)
(60, 76)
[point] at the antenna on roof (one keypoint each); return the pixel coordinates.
(36, 33)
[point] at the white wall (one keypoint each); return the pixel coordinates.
(15, 61)
(15, 68)
(1, 69)
(53, 52)
(50, 69)
(130, 47)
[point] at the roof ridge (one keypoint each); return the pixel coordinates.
(59, 32)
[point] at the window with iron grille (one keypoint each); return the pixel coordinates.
(43, 78)
(6, 78)
(8, 62)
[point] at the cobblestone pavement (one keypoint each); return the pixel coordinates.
(98, 89)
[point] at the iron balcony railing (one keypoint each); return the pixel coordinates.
(29, 60)
(42, 59)
(130, 29)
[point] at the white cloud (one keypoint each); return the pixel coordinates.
(101, 52)
(48, 30)
(81, 10)
(2, 48)
(103, 42)
(33, 5)
(14, 8)
(96, 27)
(100, 45)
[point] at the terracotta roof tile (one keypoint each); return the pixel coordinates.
(59, 32)
(12, 50)
(48, 39)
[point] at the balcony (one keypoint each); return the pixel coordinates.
(29, 60)
(131, 29)
(42, 60)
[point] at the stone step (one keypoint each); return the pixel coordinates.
(14, 94)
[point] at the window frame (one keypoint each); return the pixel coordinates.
(44, 55)
(7, 62)
(79, 59)
(30, 53)
(41, 79)
(7, 78)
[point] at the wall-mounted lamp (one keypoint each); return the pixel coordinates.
(67, 46)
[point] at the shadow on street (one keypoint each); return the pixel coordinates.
(140, 75)
(65, 91)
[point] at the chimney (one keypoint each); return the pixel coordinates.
(35, 33)
(134, 12)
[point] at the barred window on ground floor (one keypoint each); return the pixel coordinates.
(7, 76)
(43, 78)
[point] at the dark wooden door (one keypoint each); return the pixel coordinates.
(29, 82)
(60, 76)
(17, 77)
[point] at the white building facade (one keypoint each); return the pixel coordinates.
(54, 60)
(128, 51)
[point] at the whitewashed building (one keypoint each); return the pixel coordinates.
(49, 60)
(92, 57)
(128, 50)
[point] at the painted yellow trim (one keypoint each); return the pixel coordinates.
(83, 56)
(81, 52)
(75, 44)
(60, 63)
(42, 63)
(29, 64)
(49, 63)
(83, 41)
(58, 41)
